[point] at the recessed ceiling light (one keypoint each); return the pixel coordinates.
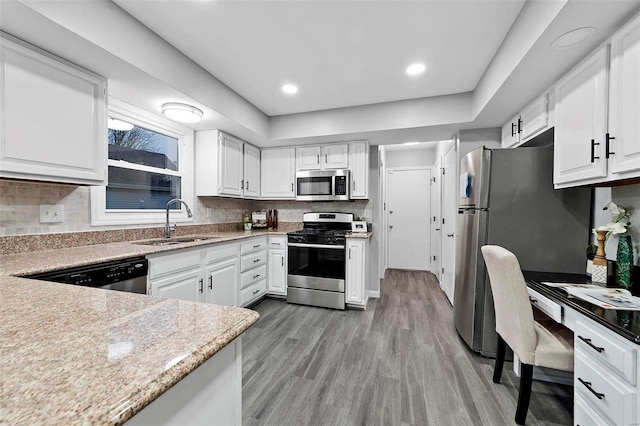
(290, 89)
(573, 37)
(411, 143)
(182, 112)
(115, 124)
(415, 69)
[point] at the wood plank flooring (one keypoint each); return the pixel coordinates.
(400, 362)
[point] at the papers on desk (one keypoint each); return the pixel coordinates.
(607, 298)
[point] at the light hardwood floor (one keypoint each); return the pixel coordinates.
(400, 362)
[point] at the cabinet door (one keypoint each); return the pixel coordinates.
(277, 273)
(580, 124)
(335, 156)
(510, 134)
(355, 274)
(53, 117)
(624, 99)
(184, 285)
(534, 118)
(308, 158)
(359, 167)
(251, 171)
(231, 172)
(222, 282)
(278, 173)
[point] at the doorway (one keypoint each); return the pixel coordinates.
(408, 210)
(449, 214)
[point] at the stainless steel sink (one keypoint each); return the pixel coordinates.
(172, 241)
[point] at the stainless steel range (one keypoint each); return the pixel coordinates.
(317, 260)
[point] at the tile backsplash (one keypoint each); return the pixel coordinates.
(20, 208)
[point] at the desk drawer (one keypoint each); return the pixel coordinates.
(546, 305)
(603, 392)
(253, 244)
(608, 348)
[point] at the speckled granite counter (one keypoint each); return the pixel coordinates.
(22, 264)
(362, 235)
(77, 355)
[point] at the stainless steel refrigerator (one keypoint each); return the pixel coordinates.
(506, 198)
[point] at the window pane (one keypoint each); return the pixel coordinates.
(142, 146)
(136, 190)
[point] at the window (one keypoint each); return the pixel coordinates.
(148, 166)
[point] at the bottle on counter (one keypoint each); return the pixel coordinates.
(275, 218)
(270, 219)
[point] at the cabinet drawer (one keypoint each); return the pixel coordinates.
(253, 244)
(546, 305)
(250, 261)
(584, 415)
(253, 292)
(277, 242)
(164, 264)
(253, 275)
(602, 345)
(615, 399)
(220, 252)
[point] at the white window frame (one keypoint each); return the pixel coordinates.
(101, 216)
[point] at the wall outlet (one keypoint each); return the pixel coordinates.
(51, 213)
(367, 214)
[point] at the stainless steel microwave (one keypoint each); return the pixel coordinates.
(325, 185)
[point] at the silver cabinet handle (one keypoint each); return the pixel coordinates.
(283, 261)
(318, 159)
(256, 276)
(256, 261)
(256, 291)
(257, 245)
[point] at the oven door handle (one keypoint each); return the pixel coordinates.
(320, 246)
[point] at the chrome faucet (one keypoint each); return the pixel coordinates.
(168, 229)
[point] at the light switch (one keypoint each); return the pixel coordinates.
(51, 213)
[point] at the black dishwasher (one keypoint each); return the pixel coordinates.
(128, 275)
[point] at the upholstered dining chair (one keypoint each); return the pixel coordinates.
(536, 343)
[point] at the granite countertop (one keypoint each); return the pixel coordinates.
(23, 264)
(79, 355)
(362, 235)
(623, 322)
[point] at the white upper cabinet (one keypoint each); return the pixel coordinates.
(324, 157)
(533, 120)
(52, 116)
(251, 171)
(581, 121)
(278, 173)
(588, 148)
(224, 163)
(359, 168)
(624, 100)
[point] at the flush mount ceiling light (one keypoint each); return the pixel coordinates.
(573, 37)
(182, 112)
(290, 89)
(411, 143)
(415, 69)
(115, 124)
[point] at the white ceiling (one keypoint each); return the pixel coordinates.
(339, 53)
(486, 60)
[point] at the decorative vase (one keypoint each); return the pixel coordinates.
(599, 268)
(624, 261)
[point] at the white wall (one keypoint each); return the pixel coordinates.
(410, 157)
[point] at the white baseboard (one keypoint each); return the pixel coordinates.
(374, 294)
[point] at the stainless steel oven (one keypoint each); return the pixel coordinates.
(317, 260)
(322, 185)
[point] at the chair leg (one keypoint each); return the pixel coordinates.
(501, 348)
(526, 377)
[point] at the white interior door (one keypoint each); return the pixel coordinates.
(408, 210)
(449, 205)
(436, 220)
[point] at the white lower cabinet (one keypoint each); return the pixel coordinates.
(222, 282)
(277, 265)
(605, 377)
(182, 285)
(356, 273)
(253, 260)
